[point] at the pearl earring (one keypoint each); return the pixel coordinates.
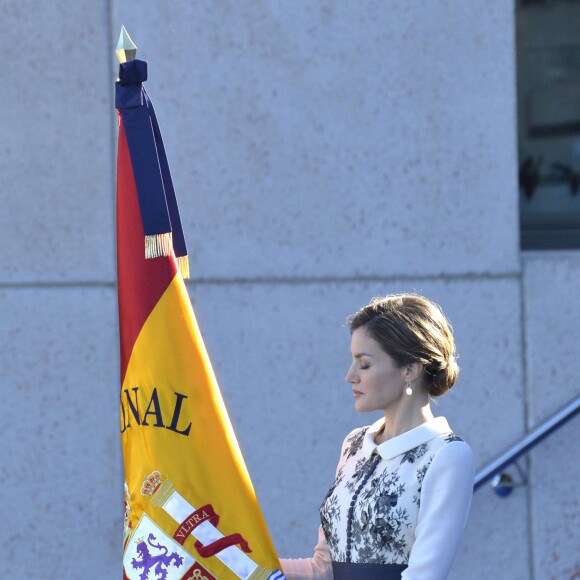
(409, 390)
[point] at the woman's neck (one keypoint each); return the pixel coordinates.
(410, 413)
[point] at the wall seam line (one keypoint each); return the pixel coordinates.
(305, 280)
(527, 414)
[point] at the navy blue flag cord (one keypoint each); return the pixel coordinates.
(157, 202)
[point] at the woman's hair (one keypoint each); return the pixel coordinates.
(411, 328)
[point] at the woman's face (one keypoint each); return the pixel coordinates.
(377, 382)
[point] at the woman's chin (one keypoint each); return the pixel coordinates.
(360, 406)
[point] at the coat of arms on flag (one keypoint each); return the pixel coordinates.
(190, 507)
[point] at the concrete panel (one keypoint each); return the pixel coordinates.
(496, 540)
(56, 173)
(553, 361)
(337, 139)
(281, 351)
(61, 475)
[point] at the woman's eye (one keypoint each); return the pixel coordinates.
(363, 367)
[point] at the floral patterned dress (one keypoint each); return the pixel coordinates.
(395, 510)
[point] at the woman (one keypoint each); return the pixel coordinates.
(403, 487)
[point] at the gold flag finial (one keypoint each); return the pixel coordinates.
(126, 48)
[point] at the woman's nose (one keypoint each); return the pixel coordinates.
(350, 376)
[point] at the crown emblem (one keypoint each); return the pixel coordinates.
(151, 483)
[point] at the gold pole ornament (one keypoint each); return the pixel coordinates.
(126, 48)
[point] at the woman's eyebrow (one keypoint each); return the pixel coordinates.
(362, 354)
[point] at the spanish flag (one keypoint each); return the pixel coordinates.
(191, 510)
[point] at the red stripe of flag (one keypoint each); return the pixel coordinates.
(141, 282)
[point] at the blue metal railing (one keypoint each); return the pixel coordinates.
(534, 437)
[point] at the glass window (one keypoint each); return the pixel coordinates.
(548, 71)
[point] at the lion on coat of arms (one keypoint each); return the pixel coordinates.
(158, 563)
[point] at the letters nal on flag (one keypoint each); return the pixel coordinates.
(191, 510)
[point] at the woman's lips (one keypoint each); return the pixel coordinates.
(357, 394)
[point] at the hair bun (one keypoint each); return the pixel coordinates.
(443, 373)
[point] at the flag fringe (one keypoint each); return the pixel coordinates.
(183, 264)
(260, 573)
(158, 245)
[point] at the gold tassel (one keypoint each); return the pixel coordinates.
(183, 264)
(158, 245)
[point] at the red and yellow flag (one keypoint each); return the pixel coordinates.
(191, 510)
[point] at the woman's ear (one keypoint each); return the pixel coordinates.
(412, 371)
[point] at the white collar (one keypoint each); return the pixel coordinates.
(405, 441)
